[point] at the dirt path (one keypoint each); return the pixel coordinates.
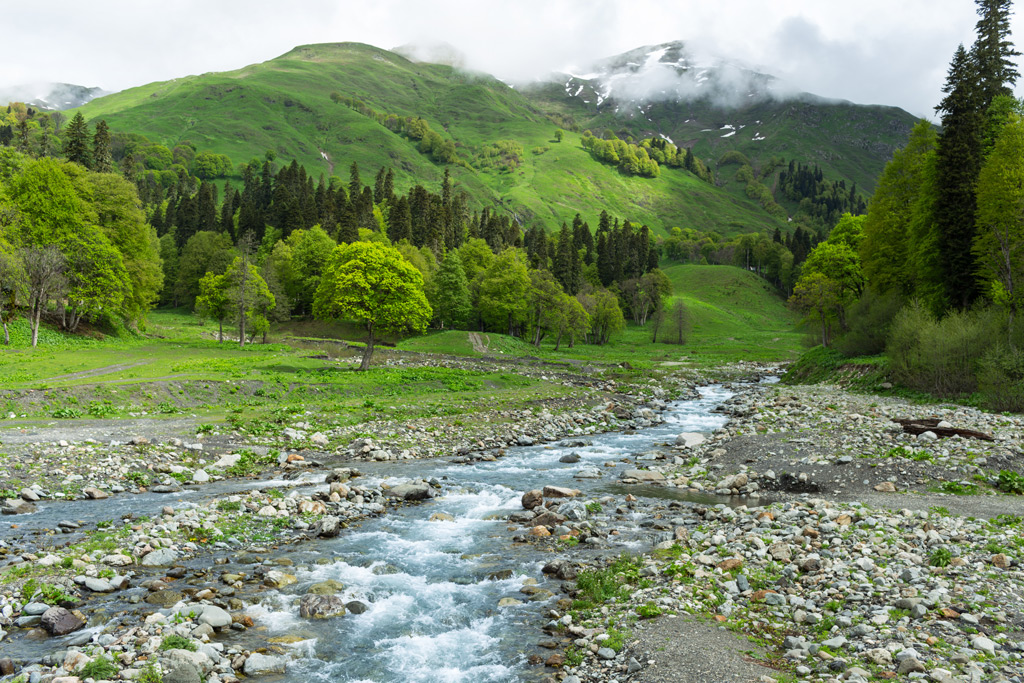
(30, 432)
(478, 344)
(120, 367)
(685, 650)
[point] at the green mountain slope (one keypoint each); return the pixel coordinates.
(286, 105)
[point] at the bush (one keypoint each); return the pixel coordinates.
(1001, 379)
(176, 642)
(101, 668)
(869, 320)
(1010, 482)
(939, 356)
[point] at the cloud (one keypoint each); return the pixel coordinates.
(875, 51)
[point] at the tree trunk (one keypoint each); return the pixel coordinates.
(220, 330)
(368, 350)
(35, 326)
(558, 340)
(7, 335)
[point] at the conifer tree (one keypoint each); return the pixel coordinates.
(959, 160)
(102, 161)
(76, 141)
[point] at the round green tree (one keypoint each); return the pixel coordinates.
(374, 285)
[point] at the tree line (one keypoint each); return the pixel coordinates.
(932, 274)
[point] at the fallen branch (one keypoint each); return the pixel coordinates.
(917, 427)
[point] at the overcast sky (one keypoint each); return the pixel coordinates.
(892, 52)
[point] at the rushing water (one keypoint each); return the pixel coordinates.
(432, 600)
(433, 612)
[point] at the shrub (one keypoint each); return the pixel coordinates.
(1001, 379)
(1010, 482)
(869, 321)
(176, 642)
(940, 557)
(98, 669)
(938, 356)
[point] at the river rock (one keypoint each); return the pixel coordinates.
(410, 491)
(327, 527)
(160, 557)
(200, 476)
(16, 506)
(29, 495)
(256, 664)
(59, 621)
(547, 519)
(98, 585)
(648, 476)
(559, 492)
(164, 598)
(328, 587)
(587, 473)
(227, 461)
(94, 493)
(278, 579)
(214, 616)
(321, 606)
(532, 499)
(117, 560)
(356, 606)
(689, 439)
(570, 458)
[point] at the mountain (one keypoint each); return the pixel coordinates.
(50, 96)
(333, 104)
(713, 106)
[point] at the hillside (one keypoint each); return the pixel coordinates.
(714, 106)
(286, 105)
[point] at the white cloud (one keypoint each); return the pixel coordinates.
(873, 51)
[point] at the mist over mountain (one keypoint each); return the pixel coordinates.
(50, 96)
(670, 72)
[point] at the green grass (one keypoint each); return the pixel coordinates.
(735, 316)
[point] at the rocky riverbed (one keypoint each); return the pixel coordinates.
(842, 548)
(857, 551)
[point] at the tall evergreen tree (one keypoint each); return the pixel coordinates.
(76, 141)
(959, 160)
(993, 53)
(102, 161)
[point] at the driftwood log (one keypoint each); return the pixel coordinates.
(932, 425)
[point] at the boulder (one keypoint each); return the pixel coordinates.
(214, 616)
(327, 527)
(645, 476)
(328, 587)
(159, 558)
(410, 491)
(256, 664)
(533, 498)
(278, 579)
(560, 492)
(547, 519)
(689, 439)
(16, 506)
(321, 606)
(58, 621)
(94, 493)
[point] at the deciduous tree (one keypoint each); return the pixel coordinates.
(372, 284)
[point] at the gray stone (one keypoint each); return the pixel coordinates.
(984, 644)
(16, 506)
(410, 491)
(214, 616)
(327, 527)
(835, 643)
(160, 557)
(690, 439)
(321, 606)
(532, 498)
(606, 653)
(58, 621)
(98, 585)
(256, 664)
(570, 458)
(649, 476)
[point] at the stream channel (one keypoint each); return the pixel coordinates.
(432, 602)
